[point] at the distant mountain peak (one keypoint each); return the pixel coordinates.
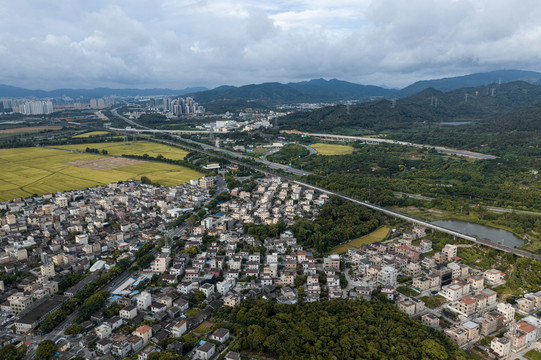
(15, 92)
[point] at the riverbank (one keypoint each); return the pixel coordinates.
(532, 239)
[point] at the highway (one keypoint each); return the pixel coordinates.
(233, 154)
(156, 131)
(133, 123)
(369, 140)
(235, 159)
(426, 224)
(387, 211)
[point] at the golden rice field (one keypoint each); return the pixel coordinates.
(28, 171)
(376, 235)
(92, 133)
(133, 148)
(332, 149)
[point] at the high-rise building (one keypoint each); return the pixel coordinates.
(36, 107)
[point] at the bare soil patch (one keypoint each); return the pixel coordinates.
(105, 163)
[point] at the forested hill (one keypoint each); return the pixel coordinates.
(471, 80)
(514, 133)
(338, 329)
(318, 90)
(427, 106)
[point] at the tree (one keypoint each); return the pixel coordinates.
(164, 355)
(74, 329)
(432, 350)
(46, 350)
(10, 352)
(198, 298)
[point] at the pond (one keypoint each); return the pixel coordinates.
(481, 231)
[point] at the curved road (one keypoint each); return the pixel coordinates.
(443, 149)
(235, 156)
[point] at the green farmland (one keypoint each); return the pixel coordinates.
(28, 171)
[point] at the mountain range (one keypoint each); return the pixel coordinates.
(427, 106)
(16, 92)
(317, 90)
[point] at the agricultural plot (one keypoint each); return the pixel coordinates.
(92, 133)
(332, 149)
(28, 171)
(133, 148)
(29, 129)
(376, 235)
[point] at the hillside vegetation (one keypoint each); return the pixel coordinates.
(339, 329)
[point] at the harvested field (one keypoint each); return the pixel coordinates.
(376, 235)
(332, 149)
(105, 163)
(133, 148)
(29, 129)
(28, 171)
(92, 133)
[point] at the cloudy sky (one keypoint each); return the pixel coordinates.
(180, 43)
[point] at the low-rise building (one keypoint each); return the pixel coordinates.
(144, 332)
(501, 347)
(526, 304)
(457, 334)
(431, 320)
(411, 306)
(221, 335)
(494, 276)
(508, 312)
(129, 312)
(179, 328)
(205, 351)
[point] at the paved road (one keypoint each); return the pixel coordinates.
(133, 123)
(443, 149)
(413, 196)
(230, 153)
(310, 149)
(235, 156)
(396, 214)
(504, 210)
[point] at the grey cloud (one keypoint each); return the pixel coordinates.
(178, 44)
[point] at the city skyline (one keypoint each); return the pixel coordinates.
(137, 44)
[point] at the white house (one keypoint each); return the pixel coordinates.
(205, 351)
(179, 328)
(144, 300)
(129, 312)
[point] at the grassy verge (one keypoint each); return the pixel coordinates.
(203, 329)
(533, 355)
(192, 312)
(376, 235)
